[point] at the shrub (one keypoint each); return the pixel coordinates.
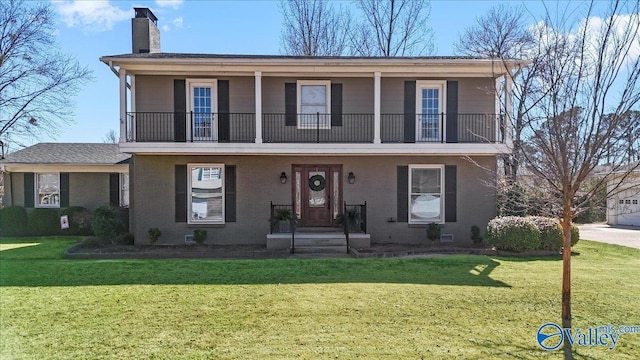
(79, 221)
(199, 235)
(14, 221)
(575, 235)
(153, 234)
(44, 222)
(105, 223)
(124, 239)
(433, 231)
(550, 232)
(513, 233)
(475, 235)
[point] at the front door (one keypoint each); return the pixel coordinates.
(317, 192)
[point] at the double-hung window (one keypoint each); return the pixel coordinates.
(206, 193)
(426, 194)
(47, 190)
(314, 104)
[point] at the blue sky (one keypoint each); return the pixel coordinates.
(91, 29)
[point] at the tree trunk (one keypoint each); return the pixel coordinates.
(566, 279)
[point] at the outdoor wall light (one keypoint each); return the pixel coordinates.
(283, 178)
(351, 178)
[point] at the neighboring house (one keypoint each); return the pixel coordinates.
(623, 207)
(58, 175)
(216, 139)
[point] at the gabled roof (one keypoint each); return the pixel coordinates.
(282, 57)
(69, 154)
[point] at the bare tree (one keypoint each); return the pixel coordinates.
(502, 34)
(392, 28)
(37, 81)
(111, 137)
(593, 81)
(313, 28)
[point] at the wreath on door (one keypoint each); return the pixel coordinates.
(317, 183)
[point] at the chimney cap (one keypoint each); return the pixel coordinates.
(145, 13)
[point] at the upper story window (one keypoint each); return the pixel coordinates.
(426, 194)
(202, 104)
(47, 190)
(430, 100)
(314, 104)
(206, 189)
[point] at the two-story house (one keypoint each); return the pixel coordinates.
(219, 141)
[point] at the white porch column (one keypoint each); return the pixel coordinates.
(376, 107)
(258, 95)
(508, 109)
(132, 106)
(123, 105)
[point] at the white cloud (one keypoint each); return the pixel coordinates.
(173, 4)
(97, 15)
(177, 24)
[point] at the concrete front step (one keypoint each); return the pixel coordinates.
(320, 250)
(317, 241)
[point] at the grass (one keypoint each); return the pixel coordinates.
(447, 307)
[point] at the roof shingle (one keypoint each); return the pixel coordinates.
(68, 153)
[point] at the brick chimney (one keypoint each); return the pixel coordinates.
(145, 35)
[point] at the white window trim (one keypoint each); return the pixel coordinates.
(121, 192)
(190, 197)
(442, 185)
(327, 85)
(190, 84)
(442, 85)
(36, 193)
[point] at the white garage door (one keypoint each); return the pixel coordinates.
(629, 208)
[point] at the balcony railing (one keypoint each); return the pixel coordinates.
(317, 128)
(313, 128)
(190, 127)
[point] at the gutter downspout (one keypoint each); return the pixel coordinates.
(117, 73)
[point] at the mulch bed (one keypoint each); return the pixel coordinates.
(95, 250)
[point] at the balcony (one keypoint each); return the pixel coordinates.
(150, 127)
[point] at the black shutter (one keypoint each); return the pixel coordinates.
(224, 127)
(403, 194)
(64, 190)
(452, 111)
(114, 189)
(179, 110)
(181, 193)
(29, 189)
(230, 193)
(450, 193)
(290, 104)
(409, 111)
(336, 104)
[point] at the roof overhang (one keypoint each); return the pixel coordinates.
(284, 66)
(71, 168)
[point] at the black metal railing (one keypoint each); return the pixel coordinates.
(317, 128)
(355, 219)
(190, 127)
(313, 128)
(471, 128)
(283, 219)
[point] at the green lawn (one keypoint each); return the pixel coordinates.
(473, 307)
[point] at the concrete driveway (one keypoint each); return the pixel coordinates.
(619, 235)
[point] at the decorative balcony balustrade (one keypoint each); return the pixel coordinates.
(314, 128)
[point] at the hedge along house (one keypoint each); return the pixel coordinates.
(220, 142)
(58, 175)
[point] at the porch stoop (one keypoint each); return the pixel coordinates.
(328, 242)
